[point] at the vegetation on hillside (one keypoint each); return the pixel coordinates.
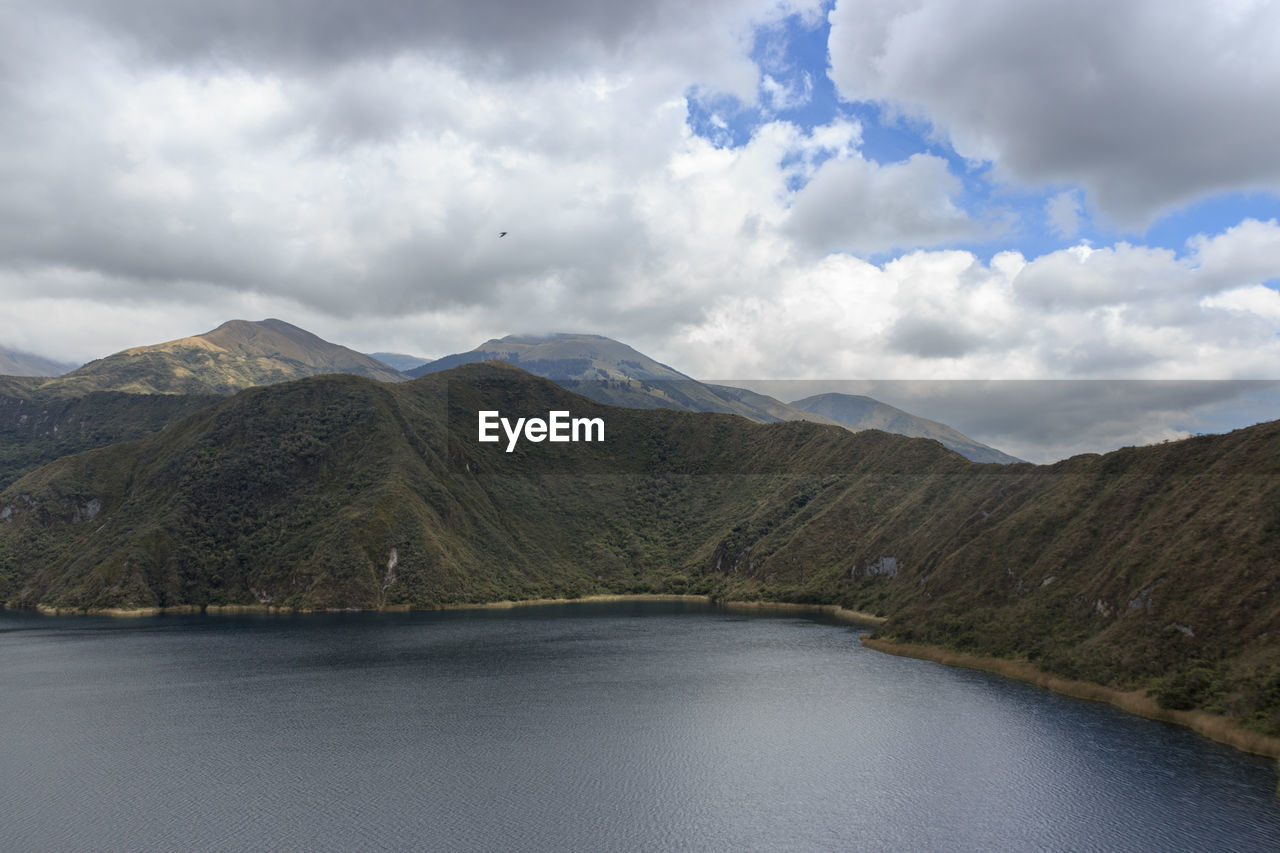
(141, 390)
(1149, 568)
(37, 427)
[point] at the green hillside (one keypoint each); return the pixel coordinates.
(1149, 568)
(37, 426)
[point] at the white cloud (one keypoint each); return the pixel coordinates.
(1120, 311)
(781, 95)
(1243, 254)
(855, 205)
(1253, 302)
(1144, 107)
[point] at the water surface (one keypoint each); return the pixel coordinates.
(610, 726)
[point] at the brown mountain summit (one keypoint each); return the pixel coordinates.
(238, 354)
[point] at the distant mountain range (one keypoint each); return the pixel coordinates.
(116, 398)
(17, 363)
(398, 360)
(611, 372)
(858, 412)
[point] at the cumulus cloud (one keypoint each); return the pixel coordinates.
(360, 161)
(1116, 312)
(854, 205)
(1250, 303)
(1144, 108)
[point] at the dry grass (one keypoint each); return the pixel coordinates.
(1213, 726)
(840, 614)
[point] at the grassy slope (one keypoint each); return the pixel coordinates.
(1145, 568)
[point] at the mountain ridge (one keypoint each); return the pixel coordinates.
(609, 371)
(612, 372)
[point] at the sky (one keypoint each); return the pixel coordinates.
(874, 190)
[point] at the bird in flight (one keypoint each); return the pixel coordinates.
(502, 234)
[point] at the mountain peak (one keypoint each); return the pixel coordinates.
(236, 355)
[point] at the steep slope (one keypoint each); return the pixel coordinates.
(17, 363)
(238, 354)
(37, 427)
(1149, 568)
(858, 412)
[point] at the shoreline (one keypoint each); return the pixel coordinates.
(833, 611)
(1213, 726)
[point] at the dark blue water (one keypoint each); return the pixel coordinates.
(589, 727)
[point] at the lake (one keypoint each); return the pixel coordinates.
(589, 726)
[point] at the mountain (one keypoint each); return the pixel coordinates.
(18, 363)
(238, 354)
(1149, 569)
(141, 390)
(858, 412)
(338, 491)
(398, 360)
(612, 372)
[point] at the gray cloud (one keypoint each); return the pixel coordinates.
(1145, 106)
(489, 38)
(321, 33)
(356, 158)
(930, 337)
